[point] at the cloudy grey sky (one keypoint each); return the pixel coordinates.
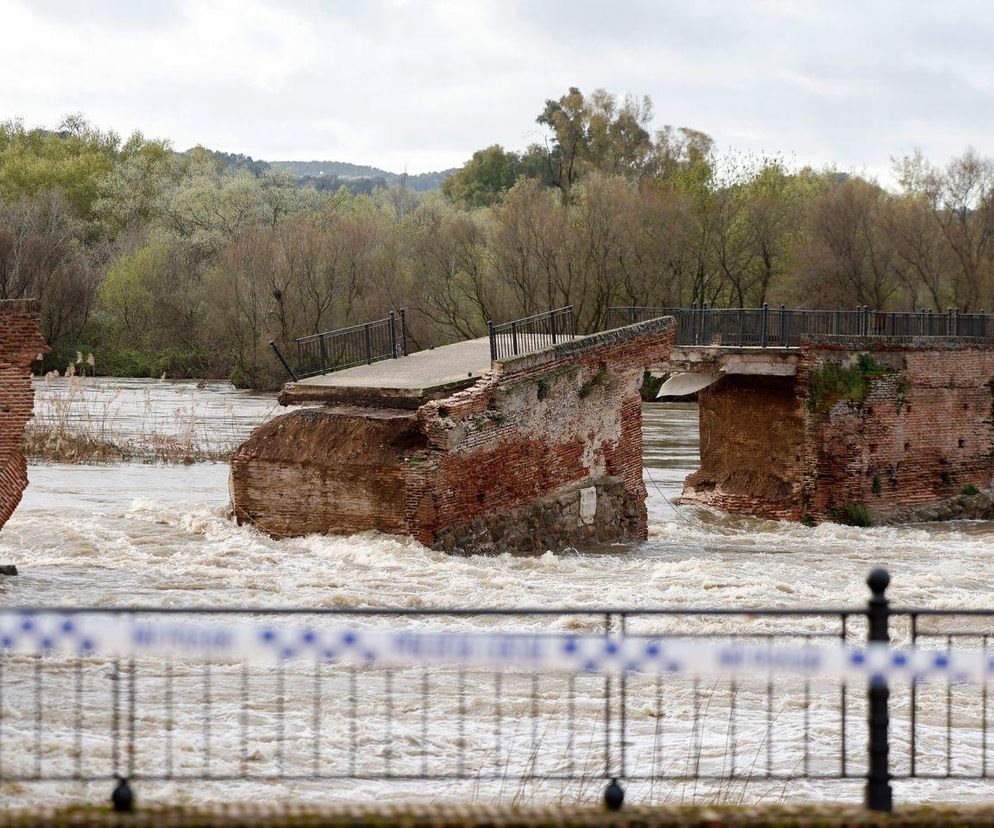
(422, 83)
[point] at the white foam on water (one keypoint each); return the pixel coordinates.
(162, 535)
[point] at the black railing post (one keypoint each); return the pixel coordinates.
(949, 322)
(552, 325)
(514, 338)
(393, 334)
(279, 356)
(784, 338)
(766, 323)
(706, 322)
(631, 315)
(403, 331)
(493, 340)
(122, 797)
(614, 794)
(694, 324)
(878, 795)
(323, 350)
(368, 343)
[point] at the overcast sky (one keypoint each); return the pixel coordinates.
(421, 84)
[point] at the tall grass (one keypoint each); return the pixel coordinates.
(77, 422)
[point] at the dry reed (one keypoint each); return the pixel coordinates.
(76, 422)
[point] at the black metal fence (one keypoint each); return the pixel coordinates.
(139, 721)
(360, 344)
(767, 327)
(532, 333)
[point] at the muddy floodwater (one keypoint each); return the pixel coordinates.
(131, 533)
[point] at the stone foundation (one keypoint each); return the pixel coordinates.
(497, 466)
(20, 345)
(596, 511)
(866, 428)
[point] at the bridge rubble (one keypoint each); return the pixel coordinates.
(537, 451)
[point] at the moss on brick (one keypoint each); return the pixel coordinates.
(593, 383)
(832, 383)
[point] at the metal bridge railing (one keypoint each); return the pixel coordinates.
(140, 696)
(532, 333)
(336, 350)
(783, 327)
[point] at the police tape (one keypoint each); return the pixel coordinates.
(162, 637)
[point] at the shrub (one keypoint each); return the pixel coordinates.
(832, 383)
(855, 515)
(969, 489)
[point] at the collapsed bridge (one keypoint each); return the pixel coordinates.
(853, 416)
(527, 440)
(531, 438)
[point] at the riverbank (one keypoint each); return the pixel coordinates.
(80, 419)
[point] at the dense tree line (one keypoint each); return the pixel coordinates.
(188, 263)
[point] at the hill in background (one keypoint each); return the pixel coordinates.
(331, 175)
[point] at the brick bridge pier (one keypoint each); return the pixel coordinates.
(20, 345)
(461, 447)
(841, 428)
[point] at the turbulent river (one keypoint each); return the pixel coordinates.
(133, 533)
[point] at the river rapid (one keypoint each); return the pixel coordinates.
(132, 533)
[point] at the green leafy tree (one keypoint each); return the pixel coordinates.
(485, 178)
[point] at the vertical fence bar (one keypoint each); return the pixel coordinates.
(493, 340)
(403, 331)
(514, 338)
(393, 334)
(552, 325)
(766, 324)
(878, 795)
(614, 794)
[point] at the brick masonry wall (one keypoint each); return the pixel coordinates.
(918, 432)
(535, 425)
(20, 345)
(500, 465)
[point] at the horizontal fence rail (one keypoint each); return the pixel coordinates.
(783, 327)
(336, 350)
(532, 333)
(624, 697)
